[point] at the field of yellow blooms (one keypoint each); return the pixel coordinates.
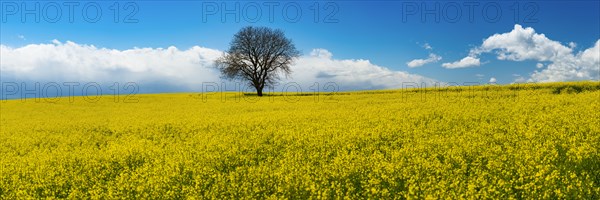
(517, 141)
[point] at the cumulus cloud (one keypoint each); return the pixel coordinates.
(468, 61)
(522, 44)
(492, 80)
(172, 69)
(420, 62)
(350, 73)
(581, 66)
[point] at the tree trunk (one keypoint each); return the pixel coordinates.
(259, 91)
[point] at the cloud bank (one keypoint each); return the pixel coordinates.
(320, 67)
(72, 62)
(172, 69)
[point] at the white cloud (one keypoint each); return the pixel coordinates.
(519, 79)
(427, 46)
(22, 37)
(433, 58)
(70, 61)
(420, 62)
(321, 53)
(350, 73)
(175, 69)
(539, 65)
(468, 61)
(581, 66)
(493, 80)
(525, 44)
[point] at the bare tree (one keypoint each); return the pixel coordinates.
(258, 55)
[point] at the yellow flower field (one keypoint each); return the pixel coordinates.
(517, 141)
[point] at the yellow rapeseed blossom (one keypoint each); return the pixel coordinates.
(523, 141)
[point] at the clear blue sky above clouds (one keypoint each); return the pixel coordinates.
(388, 34)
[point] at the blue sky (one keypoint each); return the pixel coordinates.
(389, 34)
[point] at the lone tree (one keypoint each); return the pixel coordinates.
(258, 55)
